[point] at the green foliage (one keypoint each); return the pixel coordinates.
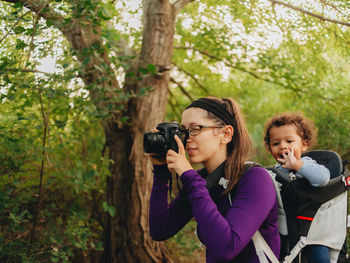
(269, 58)
(74, 171)
(305, 68)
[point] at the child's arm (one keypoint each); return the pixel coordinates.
(315, 173)
(307, 168)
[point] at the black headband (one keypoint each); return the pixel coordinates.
(214, 107)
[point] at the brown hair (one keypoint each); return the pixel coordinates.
(305, 127)
(240, 148)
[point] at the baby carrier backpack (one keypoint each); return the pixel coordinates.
(310, 215)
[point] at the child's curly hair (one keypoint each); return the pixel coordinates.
(305, 127)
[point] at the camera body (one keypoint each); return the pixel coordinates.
(163, 140)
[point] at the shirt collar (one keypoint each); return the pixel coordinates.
(214, 177)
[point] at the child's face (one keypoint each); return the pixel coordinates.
(283, 139)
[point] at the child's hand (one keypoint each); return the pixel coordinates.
(289, 161)
(177, 161)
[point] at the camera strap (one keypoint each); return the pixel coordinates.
(171, 186)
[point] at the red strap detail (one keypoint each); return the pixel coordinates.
(305, 218)
(347, 181)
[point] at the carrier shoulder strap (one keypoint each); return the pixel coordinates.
(248, 165)
(263, 249)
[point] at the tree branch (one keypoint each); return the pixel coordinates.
(334, 7)
(29, 71)
(181, 88)
(229, 64)
(194, 79)
(42, 9)
(326, 19)
(14, 25)
(180, 4)
(31, 46)
(173, 106)
(39, 200)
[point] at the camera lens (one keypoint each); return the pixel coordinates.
(153, 143)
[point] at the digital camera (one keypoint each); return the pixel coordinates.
(163, 140)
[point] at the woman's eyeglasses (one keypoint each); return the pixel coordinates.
(196, 129)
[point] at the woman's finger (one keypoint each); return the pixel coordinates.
(170, 159)
(171, 153)
(180, 145)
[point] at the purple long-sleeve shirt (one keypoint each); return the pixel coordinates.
(226, 230)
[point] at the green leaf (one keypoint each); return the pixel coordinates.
(55, 259)
(99, 246)
(19, 30)
(20, 44)
(49, 22)
(151, 68)
(110, 209)
(143, 70)
(124, 119)
(130, 74)
(18, 5)
(90, 174)
(143, 91)
(104, 13)
(86, 60)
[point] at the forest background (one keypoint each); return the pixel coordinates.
(81, 81)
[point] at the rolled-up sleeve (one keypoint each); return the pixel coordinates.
(316, 174)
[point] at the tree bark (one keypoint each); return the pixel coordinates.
(127, 233)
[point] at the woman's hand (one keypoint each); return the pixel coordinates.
(156, 159)
(177, 161)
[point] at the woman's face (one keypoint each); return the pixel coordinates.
(207, 147)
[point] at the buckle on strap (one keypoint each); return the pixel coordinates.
(223, 182)
(296, 250)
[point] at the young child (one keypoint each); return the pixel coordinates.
(287, 136)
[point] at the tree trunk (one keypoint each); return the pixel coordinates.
(127, 236)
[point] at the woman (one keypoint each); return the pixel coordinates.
(228, 204)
